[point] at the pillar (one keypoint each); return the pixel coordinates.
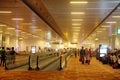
(7, 40)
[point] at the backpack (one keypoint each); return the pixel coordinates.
(82, 51)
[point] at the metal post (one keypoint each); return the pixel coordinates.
(37, 68)
(60, 62)
(65, 60)
(29, 68)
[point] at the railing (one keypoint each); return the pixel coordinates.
(15, 61)
(64, 59)
(43, 61)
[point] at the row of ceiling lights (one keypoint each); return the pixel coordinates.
(105, 27)
(85, 2)
(16, 19)
(76, 22)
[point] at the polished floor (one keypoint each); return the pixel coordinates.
(74, 71)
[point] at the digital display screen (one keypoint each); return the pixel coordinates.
(103, 50)
(33, 49)
(102, 55)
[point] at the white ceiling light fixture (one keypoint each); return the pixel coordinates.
(76, 30)
(77, 19)
(105, 26)
(77, 12)
(111, 22)
(5, 12)
(76, 27)
(96, 39)
(17, 19)
(74, 24)
(11, 28)
(115, 16)
(3, 25)
(78, 2)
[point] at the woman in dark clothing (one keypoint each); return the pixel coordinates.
(2, 52)
(12, 53)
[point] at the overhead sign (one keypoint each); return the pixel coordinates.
(118, 30)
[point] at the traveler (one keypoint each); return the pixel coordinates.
(2, 52)
(12, 53)
(82, 54)
(8, 57)
(89, 56)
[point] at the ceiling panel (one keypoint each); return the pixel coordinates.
(60, 18)
(95, 12)
(31, 23)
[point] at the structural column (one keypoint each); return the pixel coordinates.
(7, 40)
(112, 41)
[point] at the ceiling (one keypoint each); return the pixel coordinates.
(41, 17)
(29, 24)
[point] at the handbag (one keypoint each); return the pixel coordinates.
(80, 59)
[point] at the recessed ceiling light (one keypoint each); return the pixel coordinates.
(105, 26)
(78, 2)
(76, 30)
(111, 22)
(115, 16)
(102, 29)
(18, 19)
(3, 25)
(96, 39)
(76, 24)
(77, 19)
(77, 12)
(11, 28)
(5, 12)
(75, 27)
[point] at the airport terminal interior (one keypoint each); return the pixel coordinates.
(59, 40)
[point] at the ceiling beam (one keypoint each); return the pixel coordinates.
(39, 9)
(103, 20)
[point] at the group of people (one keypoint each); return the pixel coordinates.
(85, 53)
(7, 54)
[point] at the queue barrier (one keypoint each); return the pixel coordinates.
(15, 61)
(46, 61)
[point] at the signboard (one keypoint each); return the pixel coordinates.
(118, 30)
(103, 50)
(33, 49)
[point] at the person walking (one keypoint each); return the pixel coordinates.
(12, 53)
(89, 56)
(82, 54)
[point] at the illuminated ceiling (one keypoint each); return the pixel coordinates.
(72, 21)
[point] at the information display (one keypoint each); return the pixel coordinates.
(33, 49)
(103, 50)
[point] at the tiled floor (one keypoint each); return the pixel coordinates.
(74, 71)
